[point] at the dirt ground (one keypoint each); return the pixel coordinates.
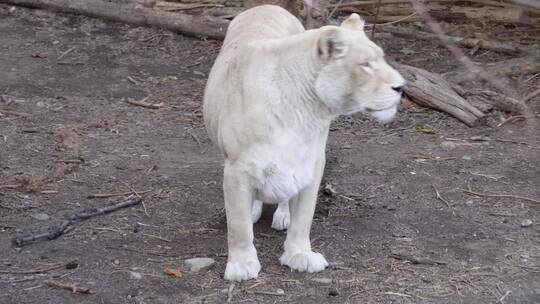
(67, 132)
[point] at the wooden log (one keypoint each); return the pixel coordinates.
(496, 100)
(467, 42)
(529, 64)
(494, 14)
(525, 6)
(433, 91)
(126, 13)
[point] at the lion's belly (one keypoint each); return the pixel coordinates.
(282, 174)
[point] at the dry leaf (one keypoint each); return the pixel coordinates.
(173, 272)
(406, 102)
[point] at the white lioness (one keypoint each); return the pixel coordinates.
(269, 101)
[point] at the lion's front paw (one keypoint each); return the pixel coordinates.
(281, 219)
(304, 261)
(240, 271)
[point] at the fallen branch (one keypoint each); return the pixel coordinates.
(107, 195)
(197, 26)
(390, 293)
(517, 118)
(74, 288)
(433, 91)
(486, 2)
(270, 293)
(174, 6)
(15, 186)
(528, 64)
(35, 271)
(415, 260)
(25, 115)
(441, 198)
(467, 42)
(144, 104)
(487, 99)
(501, 195)
(230, 292)
(57, 231)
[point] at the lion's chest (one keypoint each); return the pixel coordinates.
(283, 168)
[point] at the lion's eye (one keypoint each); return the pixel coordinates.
(367, 66)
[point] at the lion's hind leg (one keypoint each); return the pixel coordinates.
(282, 216)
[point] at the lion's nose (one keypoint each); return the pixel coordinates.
(398, 89)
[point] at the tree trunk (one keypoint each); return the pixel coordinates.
(142, 16)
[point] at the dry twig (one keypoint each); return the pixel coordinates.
(57, 231)
(501, 196)
(442, 199)
(107, 195)
(157, 237)
(74, 288)
(144, 104)
(35, 271)
(376, 19)
(415, 260)
(230, 292)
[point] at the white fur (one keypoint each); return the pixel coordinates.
(282, 216)
(256, 211)
(269, 101)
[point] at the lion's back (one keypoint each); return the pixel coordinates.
(262, 22)
(237, 57)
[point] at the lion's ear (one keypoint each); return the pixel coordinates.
(331, 45)
(354, 22)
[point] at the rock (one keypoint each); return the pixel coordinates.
(280, 291)
(466, 157)
(333, 293)
(322, 280)
(196, 264)
(526, 223)
(72, 265)
(448, 145)
(116, 262)
(40, 216)
(135, 275)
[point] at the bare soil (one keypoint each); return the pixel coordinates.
(67, 132)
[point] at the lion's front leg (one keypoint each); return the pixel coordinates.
(297, 248)
(242, 263)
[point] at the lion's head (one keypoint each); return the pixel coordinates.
(354, 76)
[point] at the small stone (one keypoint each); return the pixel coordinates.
(322, 280)
(448, 145)
(40, 216)
(466, 157)
(72, 265)
(526, 223)
(196, 264)
(333, 293)
(280, 291)
(469, 203)
(116, 262)
(135, 275)
(40, 104)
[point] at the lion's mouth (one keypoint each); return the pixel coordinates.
(385, 115)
